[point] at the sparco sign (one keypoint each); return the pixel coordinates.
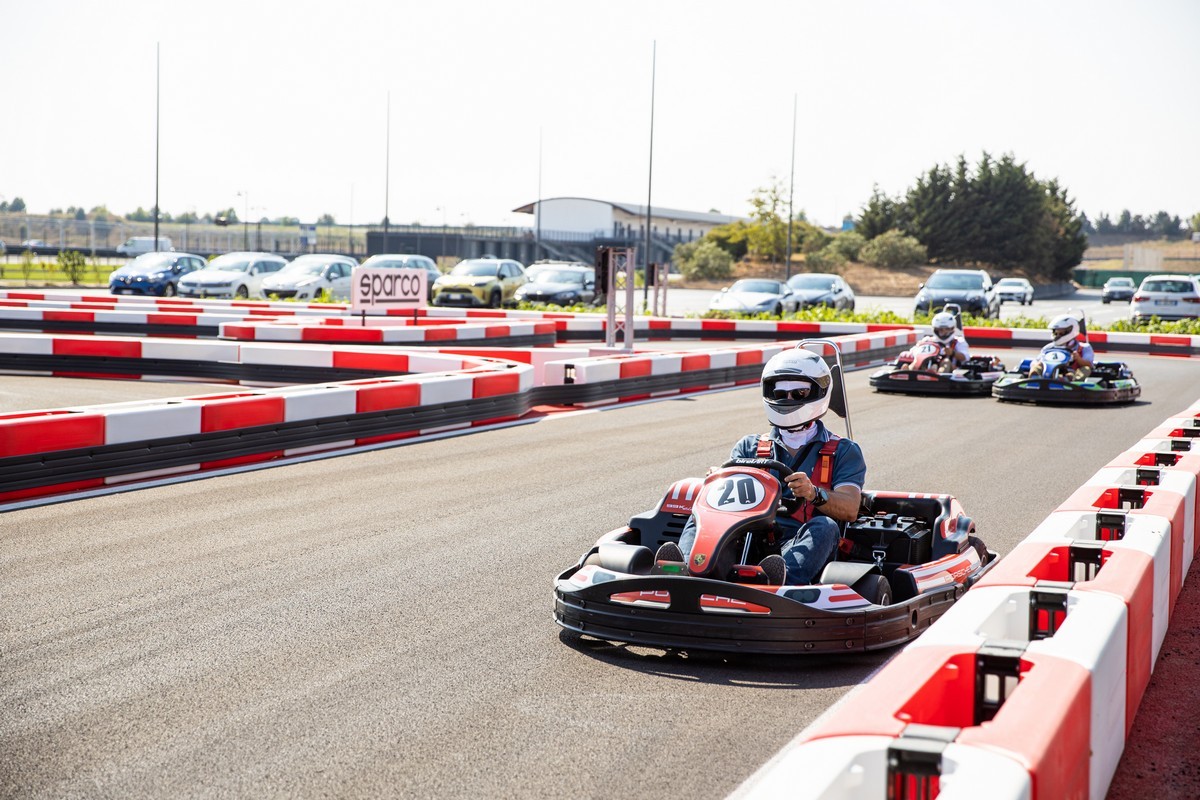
(378, 289)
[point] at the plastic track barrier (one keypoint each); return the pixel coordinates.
(1029, 685)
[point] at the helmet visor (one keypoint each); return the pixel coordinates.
(796, 391)
(1060, 332)
(943, 333)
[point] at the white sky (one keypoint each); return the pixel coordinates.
(286, 102)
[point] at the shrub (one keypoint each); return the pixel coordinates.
(703, 260)
(892, 250)
(849, 244)
(830, 259)
(72, 264)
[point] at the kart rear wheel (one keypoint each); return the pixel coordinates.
(874, 588)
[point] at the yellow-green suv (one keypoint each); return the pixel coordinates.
(480, 282)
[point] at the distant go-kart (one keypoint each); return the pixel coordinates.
(1110, 383)
(924, 369)
(898, 567)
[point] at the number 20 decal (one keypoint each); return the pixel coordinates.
(736, 494)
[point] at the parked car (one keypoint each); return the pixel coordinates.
(1166, 297)
(970, 289)
(155, 274)
(488, 282)
(756, 296)
(33, 243)
(308, 277)
(407, 261)
(237, 275)
(137, 245)
(1118, 289)
(822, 289)
(561, 284)
(1016, 289)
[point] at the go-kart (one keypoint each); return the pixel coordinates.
(925, 368)
(922, 370)
(898, 567)
(1110, 382)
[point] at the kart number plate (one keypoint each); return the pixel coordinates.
(736, 493)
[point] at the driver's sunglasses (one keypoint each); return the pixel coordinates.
(791, 394)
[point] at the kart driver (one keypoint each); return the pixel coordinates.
(955, 351)
(1064, 332)
(796, 387)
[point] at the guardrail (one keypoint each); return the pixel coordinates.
(1029, 685)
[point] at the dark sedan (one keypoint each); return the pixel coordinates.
(969, 289)
(560, 285)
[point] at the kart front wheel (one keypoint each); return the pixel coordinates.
(874, 588)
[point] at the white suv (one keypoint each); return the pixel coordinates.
(1166, 297)
(234, 275)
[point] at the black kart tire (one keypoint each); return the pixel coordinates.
(874, 588)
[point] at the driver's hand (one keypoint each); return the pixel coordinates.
(800, 484)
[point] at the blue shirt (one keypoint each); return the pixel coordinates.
(849, 466)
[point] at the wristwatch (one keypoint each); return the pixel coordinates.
(820, 498)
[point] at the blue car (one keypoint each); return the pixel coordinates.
(155, 274)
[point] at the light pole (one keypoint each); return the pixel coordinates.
(791, 192)
(156, 103)
(649, 178)
(245, 219)
(443, 210)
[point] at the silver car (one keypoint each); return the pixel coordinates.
(1018, 290)
(822, 289)
(756, 296)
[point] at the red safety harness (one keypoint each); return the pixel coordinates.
(822, 474)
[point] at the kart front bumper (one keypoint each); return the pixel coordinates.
(1051, 391)
(779, 625)
(926, 382)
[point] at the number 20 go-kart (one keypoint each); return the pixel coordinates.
(898, 567)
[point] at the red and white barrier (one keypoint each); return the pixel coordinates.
(1085, 599)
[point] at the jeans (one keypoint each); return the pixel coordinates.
(805, 554)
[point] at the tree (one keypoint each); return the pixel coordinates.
(880, 215)
(1195, 223)
(1104, 225)
(732, 237)
(326, 219)
(1166, 226)
(17, 205)
(100, 213)
(768, 236)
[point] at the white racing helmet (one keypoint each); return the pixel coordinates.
(1064, 329)
(795, 386)
(944, 326)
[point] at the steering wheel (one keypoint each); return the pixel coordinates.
(788, 507)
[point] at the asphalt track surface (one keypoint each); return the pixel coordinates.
(380, 624)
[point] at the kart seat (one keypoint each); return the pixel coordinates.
(656, 527)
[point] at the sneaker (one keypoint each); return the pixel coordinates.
(775, 568)
(668, 551)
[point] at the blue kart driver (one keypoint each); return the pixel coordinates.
(796, 386)
(1064, 332)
